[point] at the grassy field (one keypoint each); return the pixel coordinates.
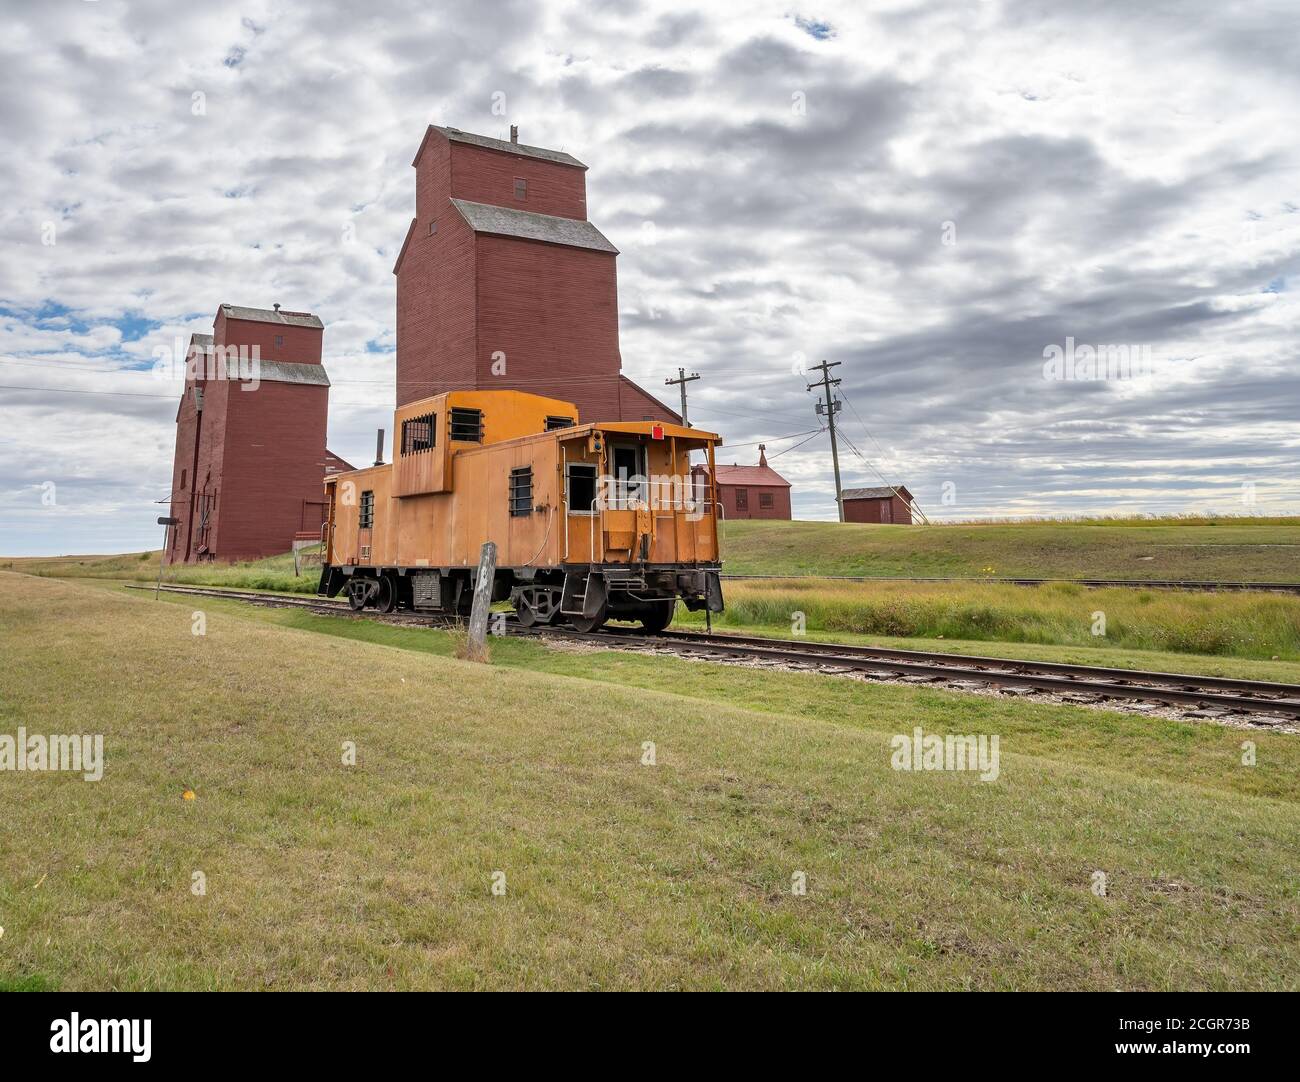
(1254, 626)
(379, 875)
(1261, 550)
(1245, 625)
(1230, 549)
(273, 573)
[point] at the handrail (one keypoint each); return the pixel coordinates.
(626, 493)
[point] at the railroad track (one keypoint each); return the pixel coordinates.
(1225, 695)
(1136, 584)
(1175, 689)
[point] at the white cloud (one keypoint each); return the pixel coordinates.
(1112, 174)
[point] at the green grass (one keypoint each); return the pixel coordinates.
(1245, 625)
(619, 875)
(273, 573)
(1232, 549)
(1227, 549)
(1248, 625)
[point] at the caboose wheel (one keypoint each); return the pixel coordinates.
(536, 605)
(386, 595)
(588, 624)
(658, 615)
(358, 590)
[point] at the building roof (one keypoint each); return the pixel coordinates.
(200, 340)
(883, 492)
(336, 464)
(527, 225)
(279, 372)
(267, 315)
(458, 136)
(750, 475)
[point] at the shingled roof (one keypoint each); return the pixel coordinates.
(458, 136)
(278, 372)
(881, 493)
(527, 225)
(750, 475)
(266, 315)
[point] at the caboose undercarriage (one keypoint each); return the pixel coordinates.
(584, 596)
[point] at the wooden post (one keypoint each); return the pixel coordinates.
(168, 523)
(478, 619)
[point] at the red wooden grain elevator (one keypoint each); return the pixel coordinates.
(503, 283)
(250, 458)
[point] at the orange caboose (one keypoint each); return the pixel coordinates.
(591, 521)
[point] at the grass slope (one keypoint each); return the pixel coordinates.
(273, 573)
(1265, 550)
(1246, 625)
(619, 875)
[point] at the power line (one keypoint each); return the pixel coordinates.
(74, 390)
(799, 444)
(775, 439)
(889, 484)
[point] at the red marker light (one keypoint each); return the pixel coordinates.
(657, 432)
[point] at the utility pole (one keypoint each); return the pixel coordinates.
(683, 379)
(830, 407)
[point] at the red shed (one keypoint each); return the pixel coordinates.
(503, 283)
(885, 504)
(250, 458)
(750, 491)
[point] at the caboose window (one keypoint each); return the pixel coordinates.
(418, 433)
(366, 516)
(552, 423)
(582, 489)
(465, 425)
(521, 491)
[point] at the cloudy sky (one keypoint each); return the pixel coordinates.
(933, 194)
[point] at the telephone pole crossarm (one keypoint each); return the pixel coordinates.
(683, 379)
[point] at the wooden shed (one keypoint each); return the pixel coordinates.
(888, 504)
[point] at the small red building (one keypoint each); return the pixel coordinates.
(750, 491)
(886, 504)
(250, 460)
(503, 283)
